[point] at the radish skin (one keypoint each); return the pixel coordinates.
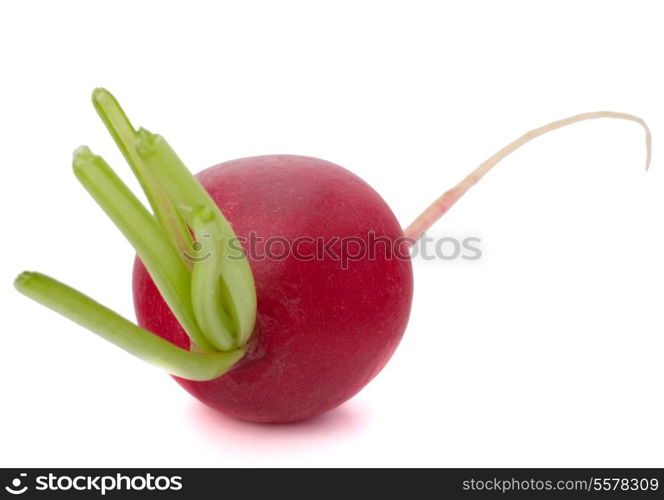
(322, 332)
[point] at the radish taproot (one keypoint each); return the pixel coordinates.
(260, 335)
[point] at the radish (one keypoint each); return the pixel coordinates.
(263, 332)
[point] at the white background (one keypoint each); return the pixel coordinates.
(546, 352)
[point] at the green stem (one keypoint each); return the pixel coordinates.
(139, 227)
(207, 291)
(187, 195)
(124, 134)
(121, 332)
(213, 298)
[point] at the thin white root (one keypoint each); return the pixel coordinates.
(439, 207)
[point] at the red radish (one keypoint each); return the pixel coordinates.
(266, 338)
(322, 332)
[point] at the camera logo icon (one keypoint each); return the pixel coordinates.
(15, 488)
